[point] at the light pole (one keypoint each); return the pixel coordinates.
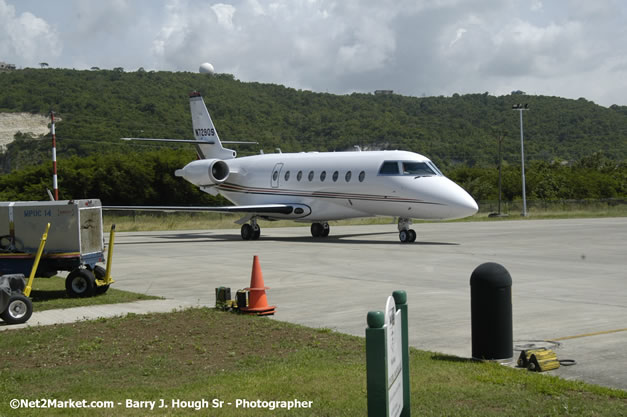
(500, 163)
(520, 108)
(499, 139)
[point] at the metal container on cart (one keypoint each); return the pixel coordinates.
(75, 242)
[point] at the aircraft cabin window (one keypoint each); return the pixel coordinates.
(362, 175)
(287, 175)
(275, 175)
(336, 174)
(348, 175)
(389, 168)
(311, 175)
(418, 169)
(323, 175)
(299, 176)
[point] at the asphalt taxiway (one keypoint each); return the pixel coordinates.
(569, 280)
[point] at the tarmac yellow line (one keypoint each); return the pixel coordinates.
(590, 334)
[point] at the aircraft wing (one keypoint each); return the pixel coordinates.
(253, 209)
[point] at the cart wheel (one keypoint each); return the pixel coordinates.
(19, 310)
(80, 283)
(99, 273)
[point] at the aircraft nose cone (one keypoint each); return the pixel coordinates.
(455, 202)
(465, 204)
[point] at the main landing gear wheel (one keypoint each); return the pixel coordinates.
(19, 309)
(250, 231)
(320, 229)
(407, 236)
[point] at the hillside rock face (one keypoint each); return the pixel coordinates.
(11, 123)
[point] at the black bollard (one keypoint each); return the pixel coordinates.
(491, 312)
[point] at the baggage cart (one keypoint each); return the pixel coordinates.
(75, 242)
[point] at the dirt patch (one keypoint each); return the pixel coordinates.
(11, 123)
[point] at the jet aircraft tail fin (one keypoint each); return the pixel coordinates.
(208, 144)
(205, 131)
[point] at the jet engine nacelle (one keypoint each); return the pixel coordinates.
(205, 172)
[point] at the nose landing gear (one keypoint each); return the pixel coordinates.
(405, 234)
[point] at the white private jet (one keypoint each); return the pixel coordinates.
(316, 187)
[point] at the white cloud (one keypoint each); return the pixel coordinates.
(94, 18)
(411, 46)
(458, 35)
(300, 43)
(224, 13)
(26, 38)
(536, 5)
(524, 48)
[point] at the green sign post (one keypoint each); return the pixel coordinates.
(387, 359)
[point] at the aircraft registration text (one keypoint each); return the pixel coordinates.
(205, 132)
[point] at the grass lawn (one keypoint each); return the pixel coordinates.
(202, 353)
(49, 293)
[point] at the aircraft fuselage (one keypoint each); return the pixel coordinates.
(340, 185)
(316, 187)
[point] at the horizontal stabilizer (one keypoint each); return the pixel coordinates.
(194, 141)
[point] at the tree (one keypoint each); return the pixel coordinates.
(99, 107)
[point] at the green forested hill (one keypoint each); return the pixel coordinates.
(99, 107)
(459, 133)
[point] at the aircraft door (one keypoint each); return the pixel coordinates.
(276, 175)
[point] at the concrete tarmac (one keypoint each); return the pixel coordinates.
(569, 280)
(76, 314)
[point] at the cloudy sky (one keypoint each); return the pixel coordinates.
(567, 48)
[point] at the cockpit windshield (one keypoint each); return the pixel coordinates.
(432, 165)
(418, 169)
(410, 168)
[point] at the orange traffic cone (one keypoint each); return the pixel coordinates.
(257, 300)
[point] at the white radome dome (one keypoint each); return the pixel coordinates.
(206, 68)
